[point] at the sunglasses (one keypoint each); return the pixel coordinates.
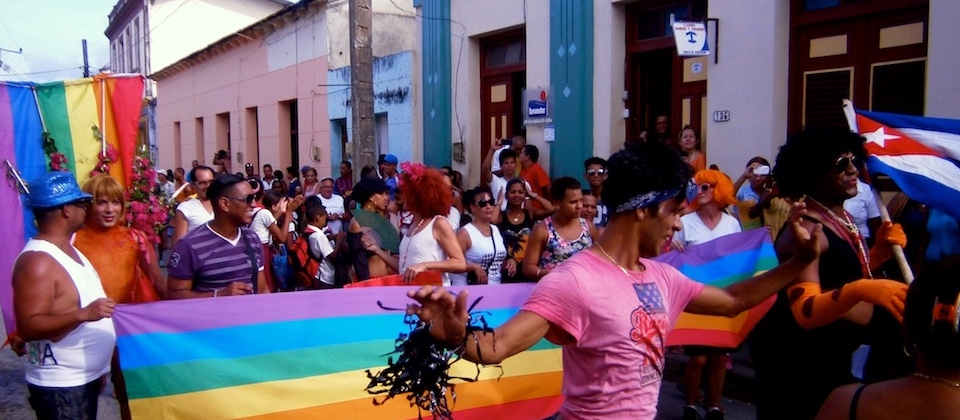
(596, 172)
(843, 162)
(84, 203)
(249, 198)
(483, 203)
(705, 187)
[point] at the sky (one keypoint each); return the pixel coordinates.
(50, 34)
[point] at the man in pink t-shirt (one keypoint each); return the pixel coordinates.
(610, 309)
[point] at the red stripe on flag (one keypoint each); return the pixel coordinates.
(900, 145)
(126, 98)
(536, 408)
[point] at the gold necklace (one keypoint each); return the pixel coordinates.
(612, 260)
(860, 244)
(953, 384)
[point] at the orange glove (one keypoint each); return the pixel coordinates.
(813, 308)
(888, 235)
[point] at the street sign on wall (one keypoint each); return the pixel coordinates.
(691, 39)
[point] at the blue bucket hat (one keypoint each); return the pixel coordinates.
(54, 189)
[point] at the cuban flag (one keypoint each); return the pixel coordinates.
(920, 154)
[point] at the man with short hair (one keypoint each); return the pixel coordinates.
(661, 131)
(336, 209)
(267, 180)
(388, 169)
(609, 307)
(293, 181)
(595, 171)
(516, 144)
(63, 314)
(532, 172)
(222, 257)
(497, 183)
(196, 211)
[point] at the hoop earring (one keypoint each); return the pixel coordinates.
(912, 348)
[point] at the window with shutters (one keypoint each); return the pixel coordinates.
(823, 93)
(898, 87)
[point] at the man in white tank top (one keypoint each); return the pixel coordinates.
(68, 345)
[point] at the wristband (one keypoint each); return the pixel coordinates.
(538, 272)
(215, 291)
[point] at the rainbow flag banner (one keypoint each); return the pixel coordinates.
(304, 355)
(722, 262)
(68, 111)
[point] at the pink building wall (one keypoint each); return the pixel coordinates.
(233, 82)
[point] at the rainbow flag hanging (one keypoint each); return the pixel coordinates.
(304, 355)
(68, 110)
(722, 262)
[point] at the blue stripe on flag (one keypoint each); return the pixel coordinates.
(920, 188)
(899, 121)
(161, 348)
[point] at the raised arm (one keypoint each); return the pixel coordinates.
(747, 294)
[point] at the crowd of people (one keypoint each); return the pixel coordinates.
(588, 247)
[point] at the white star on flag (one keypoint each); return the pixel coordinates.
(879, 137)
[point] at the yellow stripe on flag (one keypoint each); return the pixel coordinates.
(339, 389)
(82, 110)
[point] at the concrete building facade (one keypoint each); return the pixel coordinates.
(610, 68)
(268, 93)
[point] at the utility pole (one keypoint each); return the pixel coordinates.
(4, 67)
(361, 85)
(86, 63)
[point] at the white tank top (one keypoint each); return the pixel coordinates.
(195, 213)
(84, 354)
(422, 247)
(485, 252)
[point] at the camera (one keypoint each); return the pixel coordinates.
(761, 170)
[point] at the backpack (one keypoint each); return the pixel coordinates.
(304, 264)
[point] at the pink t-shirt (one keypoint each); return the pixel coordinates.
(613, 329)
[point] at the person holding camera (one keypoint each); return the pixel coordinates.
(751, 194)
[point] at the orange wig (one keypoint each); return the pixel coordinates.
(723, 193)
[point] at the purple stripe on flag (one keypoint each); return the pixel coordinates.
(235, 311)
(725, 245)
(11, 236)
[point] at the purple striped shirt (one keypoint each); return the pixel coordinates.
(212, 261)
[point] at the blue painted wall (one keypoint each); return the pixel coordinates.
(393, 95)
(571, 75)
(436, 73)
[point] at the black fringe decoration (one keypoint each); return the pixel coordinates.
(421, 369)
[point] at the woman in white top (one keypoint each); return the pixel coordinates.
(195, 211)
(481, 241)
(430, 243)
(707, 222)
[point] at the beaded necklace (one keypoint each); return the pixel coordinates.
(848, 227)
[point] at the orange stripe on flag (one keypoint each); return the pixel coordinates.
(481, 397)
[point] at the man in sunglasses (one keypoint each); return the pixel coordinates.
(223, 257)
(802, 348)
(63, 314)
(595, 171)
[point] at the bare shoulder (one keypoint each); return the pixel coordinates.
(837, 405)
(36, 268)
